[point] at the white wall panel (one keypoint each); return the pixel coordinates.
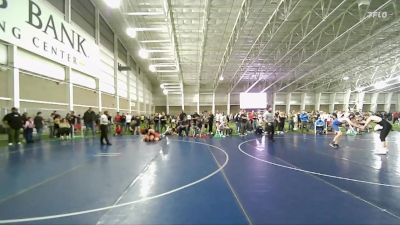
(82, 79)
(381, 98)
(206, 98)
(3, 54)
(325, 97)
(339, 99)
(367, 98)
(310, 99)
(175, 100)
(296, 98)
(106, 71)
(122, 82)
(280, 99)
(37, 64)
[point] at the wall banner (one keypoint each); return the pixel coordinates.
(32, 25)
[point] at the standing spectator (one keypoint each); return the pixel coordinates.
(89, 118)
(71, 119)
(205, 120)
(251, 120)
(304, 121)
(117, 119)
(291, 118)
(28, 130)
(243, 122)
(123, 122)
(269, 119)
(157, 122)
(210, 122)
(13, 121)
(236, 118)
(39, 124)
(128, 119)
(78, 126)
(137, 125)
(24, 119)
(395, 116)
(163, 121)
(281, 123)
(57, 120)
(104, 123)
(50, 125)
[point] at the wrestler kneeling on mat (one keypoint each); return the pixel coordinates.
(150, 135)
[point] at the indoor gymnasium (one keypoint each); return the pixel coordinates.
(199, 112)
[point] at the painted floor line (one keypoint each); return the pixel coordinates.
(312, 172)
(347, 192)
(127, 203)
(233, 192)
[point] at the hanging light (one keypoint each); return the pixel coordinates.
(380, 85)
(359, 89)
(346, 78)
(221, 78)
(113, 3)
(143, 53)
(152, 68)
(131, 32)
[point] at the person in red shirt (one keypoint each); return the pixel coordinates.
(118, 129)
(395, 116)
(117, 119)
(251, 118)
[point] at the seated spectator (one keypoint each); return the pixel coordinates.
(65, 128)
(118, 130)
(319, 126)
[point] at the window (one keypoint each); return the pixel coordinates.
(83, 14)
(106, 35)
(59, 4)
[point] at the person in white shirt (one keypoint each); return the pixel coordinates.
(104, 128)
(128, 119)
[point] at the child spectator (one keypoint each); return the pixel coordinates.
(118, 130)
(28, 130)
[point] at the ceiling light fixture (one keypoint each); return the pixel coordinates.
(152, 68)
(131, 32)
(380, 85)
(165, 91)
(114, 4)
(162, 59)
(144, 13)
(160, 50)
(155, 41)
(221, 78)
(143, 53)
(359, 89)
(346, 78)
(163, 29)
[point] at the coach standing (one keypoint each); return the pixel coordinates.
(104, 128)
(14, 122)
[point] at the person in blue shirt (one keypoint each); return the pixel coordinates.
(337, 123)
(304, 121)
(319, 125)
